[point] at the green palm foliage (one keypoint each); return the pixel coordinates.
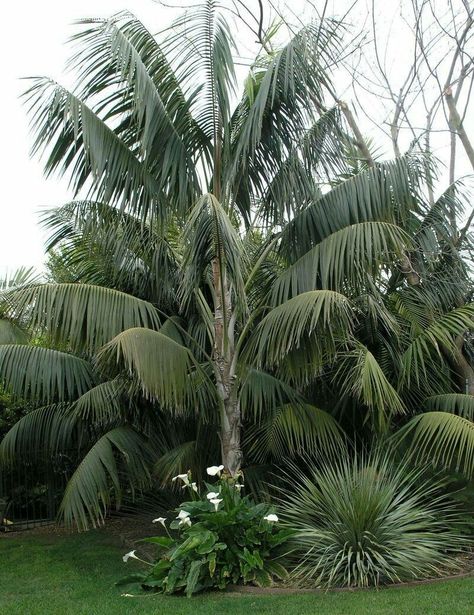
(226, 277)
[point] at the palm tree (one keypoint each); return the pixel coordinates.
(236, 265)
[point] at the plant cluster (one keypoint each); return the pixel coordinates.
(367, 520)
(222, 537)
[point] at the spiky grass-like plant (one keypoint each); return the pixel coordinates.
(365, 520)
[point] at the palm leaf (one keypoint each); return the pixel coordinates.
(86, 316)
(163, 367)
(443, 438)
(347, 256)
(293, 430)
(43, 431)
(455, 403)
(43, 374)
(78, 140)
(119, 457)
(437, 338)
(320, 312)
(361, 375)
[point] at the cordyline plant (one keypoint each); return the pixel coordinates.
(242, 260)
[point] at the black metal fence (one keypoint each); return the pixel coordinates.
(32, 491)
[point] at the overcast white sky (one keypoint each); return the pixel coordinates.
(33, 43)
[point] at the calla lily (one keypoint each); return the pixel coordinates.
(130, 554)
(193, 486)
(238, 486)
(185, 521)
(216, 502)
(160, 520)
(212, 495)
(183, 477)
(183, 514)
(271, 518)
(215, 470)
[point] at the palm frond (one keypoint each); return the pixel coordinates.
(120, 53)
(117, 459)
(166, 370)
(347, 256)
(388, 192)
(292, 430)
(43, 431)
(443, 438)
(77, 140)
(324, 313)
(262, 391)
(83, 315)
(360, 375)
(439, 337)
(455, 403)
(43, 374)
(100, 405)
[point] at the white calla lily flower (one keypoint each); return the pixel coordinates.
(129, 555)
(183, 514)
(160, 520)
(216, 502)
(215, 470)
(183, 477)
(271, 518)
(212, 495)
(185, 521)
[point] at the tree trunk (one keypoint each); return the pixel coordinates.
(224, 367)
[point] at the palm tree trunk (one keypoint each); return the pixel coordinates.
(224, 365)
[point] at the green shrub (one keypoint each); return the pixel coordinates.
(222, 538)
(362, 521)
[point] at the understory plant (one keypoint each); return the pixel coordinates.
(366, 520)
(221, 537)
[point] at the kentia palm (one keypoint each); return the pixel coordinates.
(257, 260)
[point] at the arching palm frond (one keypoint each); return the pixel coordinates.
(162, 366)
(360, 375)
(41, 432)
(262, 391)
(86, 316)
(121, 50)
(439, 337)
(442, 438)
(322, 312)
(102, 404)
(347, 257)
(117, 459)
(77, 140)
(292, 430)
(42, 374)
(455, 403)
(385, 193)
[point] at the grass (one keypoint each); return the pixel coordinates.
(75, 575)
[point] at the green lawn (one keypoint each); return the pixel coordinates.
(75, 575)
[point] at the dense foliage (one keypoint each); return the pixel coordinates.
(223, 538)
(234, 273)
(367, 520)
